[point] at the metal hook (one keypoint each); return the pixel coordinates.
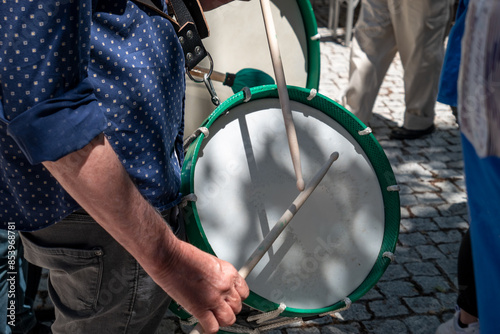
(208, 81)
(211, 90)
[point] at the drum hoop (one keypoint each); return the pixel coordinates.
(313, 45)
(371, 148)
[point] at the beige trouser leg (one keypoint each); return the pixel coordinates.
(415, 29)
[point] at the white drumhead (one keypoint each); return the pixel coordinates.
(238, 40)
(244, 181)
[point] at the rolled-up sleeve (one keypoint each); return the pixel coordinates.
(58, 126)
(48, 103)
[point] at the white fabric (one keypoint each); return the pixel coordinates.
(479, 84)
(416, 30)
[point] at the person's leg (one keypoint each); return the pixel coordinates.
(482, 177)
(94, 284)
(466, 284)
(373, 49)
(419, 28)
(4, 286)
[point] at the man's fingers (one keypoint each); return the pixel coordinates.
(225, 315)
(209, 323)
(242, 287)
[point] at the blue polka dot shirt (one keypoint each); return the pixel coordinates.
(70, 70)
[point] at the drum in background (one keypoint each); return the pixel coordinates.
(337, 245)
(238, 40)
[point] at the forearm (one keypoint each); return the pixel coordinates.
(95, 178)
(209, 288)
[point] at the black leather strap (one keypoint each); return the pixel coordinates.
(190, 25)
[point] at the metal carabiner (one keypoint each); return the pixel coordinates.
(208, 82)
(211, 90)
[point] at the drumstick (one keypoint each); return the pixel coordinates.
(282, 91)
(280, 225)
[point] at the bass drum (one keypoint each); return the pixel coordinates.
(238, 41)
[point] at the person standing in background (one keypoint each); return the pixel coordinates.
(415, 29)
(479, 119)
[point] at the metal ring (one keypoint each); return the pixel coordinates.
(209, 71)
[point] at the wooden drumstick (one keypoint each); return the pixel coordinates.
(280, 225)
(282, 91)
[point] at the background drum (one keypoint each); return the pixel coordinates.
(238, 41)
(339, 243)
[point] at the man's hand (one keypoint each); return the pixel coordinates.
(207, 287)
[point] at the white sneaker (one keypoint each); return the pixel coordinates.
(452, 327)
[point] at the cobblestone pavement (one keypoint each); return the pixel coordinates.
(419, 289)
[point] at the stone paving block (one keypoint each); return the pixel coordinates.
(385, 327)
(405, 213)
(341, 329)
(372, 294)
(422, 324)
(449, 187)
(448, 301)
(453, 222)
(418, 224)
(414, 239)
(356, 312)
(429, 252)
(424, 305)
(423, 211)
(449, 266)
(431, 284)
(420, 187)
(452, 236)
(449, 174)
(429, 199)
(434, 165)
(395, 271)
(407, 200)
(407, 255)
(456, 197)
(386, 307)
(304, 330)
(450, 250)
(319, 321)
(453, 209)
(422, 268)
(398, 288)
(413, 158)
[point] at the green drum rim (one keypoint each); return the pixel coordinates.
(373, 151)
(313, 45)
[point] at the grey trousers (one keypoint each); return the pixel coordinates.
(416, 30)
(95, 285)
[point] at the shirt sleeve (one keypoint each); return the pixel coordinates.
(48, 102)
